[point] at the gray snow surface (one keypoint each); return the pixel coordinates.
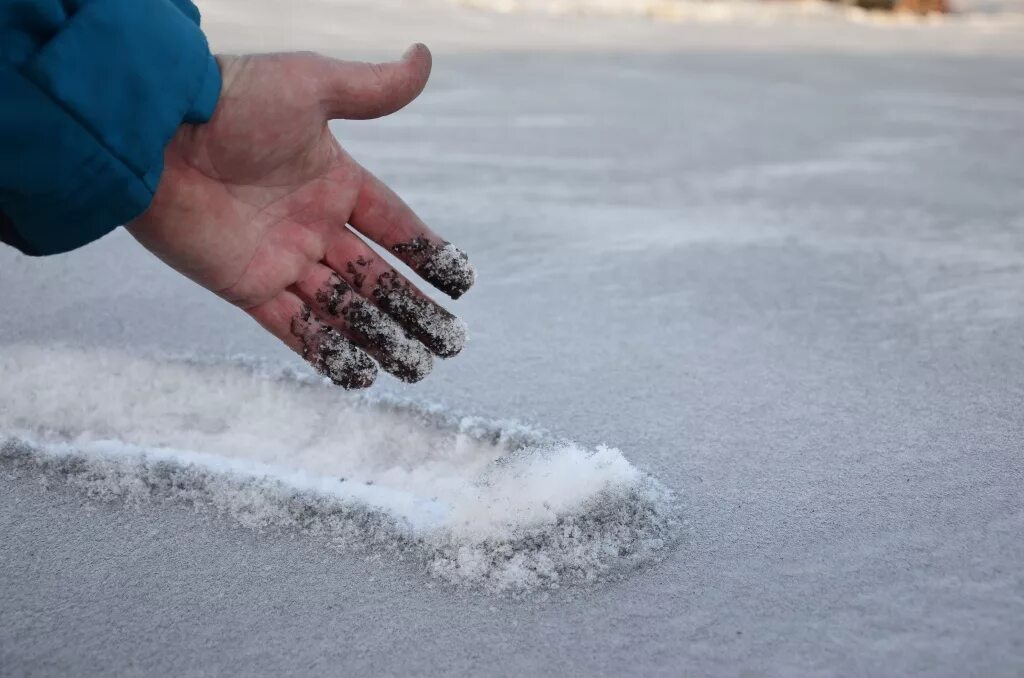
(789, 287)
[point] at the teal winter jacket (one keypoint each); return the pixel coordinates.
(91, 91)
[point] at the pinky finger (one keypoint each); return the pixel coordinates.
(289, 319)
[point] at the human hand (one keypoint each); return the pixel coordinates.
(253, 205)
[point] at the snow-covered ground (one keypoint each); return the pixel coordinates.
(759, 281)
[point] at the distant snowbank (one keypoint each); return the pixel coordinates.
(483, 503)
(722, 10)
(752, 11)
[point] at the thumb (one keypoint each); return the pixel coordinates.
(358, 91)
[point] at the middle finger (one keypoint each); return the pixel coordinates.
(335, 302)
(375, 279)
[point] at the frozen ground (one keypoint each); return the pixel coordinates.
(783, 278)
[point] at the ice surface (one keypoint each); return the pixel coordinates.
(779, 267)
(492, 504)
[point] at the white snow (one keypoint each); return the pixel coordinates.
(484, 503)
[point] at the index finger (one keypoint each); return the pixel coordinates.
(382, 216)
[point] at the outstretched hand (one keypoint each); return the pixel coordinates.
(253, 205)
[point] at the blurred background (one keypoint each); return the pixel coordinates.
(943, 25)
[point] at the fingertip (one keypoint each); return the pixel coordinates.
(418, 55)
(356, 381)
(346, 365)
(417, 50)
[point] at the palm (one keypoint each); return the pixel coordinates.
(253, 206)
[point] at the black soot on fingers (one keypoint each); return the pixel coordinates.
(356, 269)
(439, 330)
(400, 355)
(443, 265)
(331, 354)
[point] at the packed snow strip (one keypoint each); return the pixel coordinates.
(489, 504)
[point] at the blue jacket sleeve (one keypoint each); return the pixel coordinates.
(91, 91)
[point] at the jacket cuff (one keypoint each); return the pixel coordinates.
(205, 102)
(127, 73)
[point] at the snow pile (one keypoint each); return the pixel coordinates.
(491, 504)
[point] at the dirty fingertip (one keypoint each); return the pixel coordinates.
(439, 330)
(443, 265)
(332, 355)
